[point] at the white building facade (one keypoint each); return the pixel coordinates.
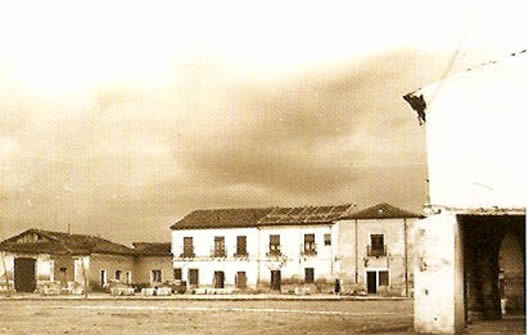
(283, 248)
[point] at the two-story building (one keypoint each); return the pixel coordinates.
(315, 245)
(376, 248)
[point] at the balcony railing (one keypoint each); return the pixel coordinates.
(309, 252)
(240, 254)
(377, 251)
(218, 252)
(187, 255)
(274, 253)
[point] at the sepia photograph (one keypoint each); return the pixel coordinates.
(263, 167)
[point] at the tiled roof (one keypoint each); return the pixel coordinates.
(58, 243)
(382, 211)
(221, 218)
(305, 215)
(152, 249)
(254, 217)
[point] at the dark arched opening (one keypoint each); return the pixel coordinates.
(483, 239)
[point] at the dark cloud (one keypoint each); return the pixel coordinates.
(129, 159)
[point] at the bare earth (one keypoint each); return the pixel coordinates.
(219, 317)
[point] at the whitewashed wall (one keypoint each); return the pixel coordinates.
(292, 244)
(257, 265)
(476, 136)
(203, 242)
(9, 263)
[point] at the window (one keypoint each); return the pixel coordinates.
(377, 245)
(63, 269)
(327, 239)
(219, 246)
(103, 279)
(241, 279)
(383, 278)
(309, 275)
(118, 275)
(274, 245)
(156, 276)
(376, 241)
(193, 277)
(218, 279)
(309, 244)
(188, 248)
(241, 246)
(177, 274)
(129, 277)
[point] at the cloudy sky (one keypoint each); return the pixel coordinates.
(121, 117)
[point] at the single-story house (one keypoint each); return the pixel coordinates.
(38, 258)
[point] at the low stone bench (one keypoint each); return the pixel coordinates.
(148, 292)
(163, 291)
(118, 291)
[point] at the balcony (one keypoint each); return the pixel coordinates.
(218, 252)
(377, 251)
(274, 253)
(309, 249)
(241, 254)
(187, 255)
(309, 252)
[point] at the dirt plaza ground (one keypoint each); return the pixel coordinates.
(218, 317)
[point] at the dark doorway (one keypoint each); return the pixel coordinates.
(63, 278)
(276, 280)
(219, 279)
(371, 282)
(193, 277)
(309, 275)
(25, 280)
(483, 237)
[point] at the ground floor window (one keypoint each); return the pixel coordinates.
(178, 274)
(383, 278)
(241, 279)
(129, 277)
(103, 279)
(193, 277)
(218, 280)
(118, 275)
(156, 276)
(309, 275)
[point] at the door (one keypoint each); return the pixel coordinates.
(219, 279)
(276, 280)
(371, 282)
(25, 280)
